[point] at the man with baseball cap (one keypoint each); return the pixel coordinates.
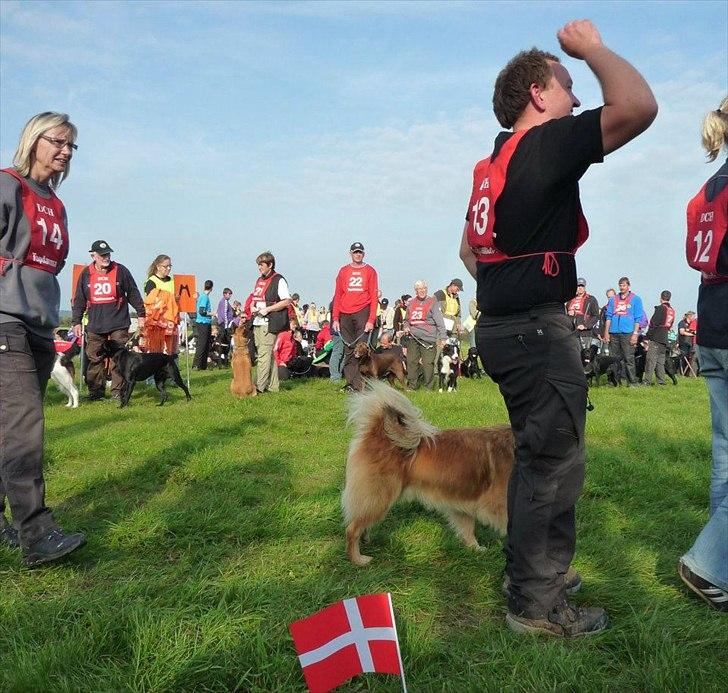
(356, 300)
(104, 291)
(584, 310)
(450, 304)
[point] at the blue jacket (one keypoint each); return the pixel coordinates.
(203, 302)
(624, 324)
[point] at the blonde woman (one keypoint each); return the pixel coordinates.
(160, 303)
(704, 568)
(33, 250)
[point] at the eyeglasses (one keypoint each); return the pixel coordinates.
(60, 143)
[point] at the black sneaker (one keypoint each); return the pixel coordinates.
(565, 621)
(9, 537)
(707, 591)
(52, 546)
(572, 582)
(94, 397)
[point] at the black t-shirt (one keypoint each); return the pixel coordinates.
(713, 298)
(538, 211)
(657, 332)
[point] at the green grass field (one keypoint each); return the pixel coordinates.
(213, 524)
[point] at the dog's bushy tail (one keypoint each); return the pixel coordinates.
(400, 420)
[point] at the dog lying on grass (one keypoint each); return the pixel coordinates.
(242, 383)
(379, 364)
(463, 473)
(135, 367)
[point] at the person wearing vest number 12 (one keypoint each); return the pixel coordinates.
(704, 568)
(33, 250)
(269, 308)
(661, 323)
(523, 226)
(104, 291)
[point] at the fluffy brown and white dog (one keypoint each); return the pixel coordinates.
(462, 472)
(380, 364)
(242, 383)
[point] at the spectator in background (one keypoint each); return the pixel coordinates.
(425, 327)
(583, 309)
(160, 305)
(387, 317)
(355, 310)
(622, 326)
(311, 321)
(450, 305)
(323, 336)
(685, 337)
(298, 313)
(225, 312)
(203, 327)
(660, 324)
(399, 315)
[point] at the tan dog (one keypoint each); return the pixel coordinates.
(463, 473)
(242, 383)
(379, 364)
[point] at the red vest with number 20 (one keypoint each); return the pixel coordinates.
(102, 286)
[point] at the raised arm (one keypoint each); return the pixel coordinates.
(629, 104)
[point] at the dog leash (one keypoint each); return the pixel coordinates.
(355, 342)
(421, 343)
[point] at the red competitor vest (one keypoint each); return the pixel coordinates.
(417, 312)
(261, 289)
(669, 317)
(489, 179)
(707, 229)
(48, 234)
(102, 286)
(622, 305)
(577, 304)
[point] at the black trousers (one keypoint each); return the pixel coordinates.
(203, 333)
(534, 357)
(352, 331)
(26, 362)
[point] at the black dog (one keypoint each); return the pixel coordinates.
(470, 367)
(133, 367)
(610, 366)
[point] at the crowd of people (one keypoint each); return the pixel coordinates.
(528, 308)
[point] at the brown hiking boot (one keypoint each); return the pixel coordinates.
(565, 621)
(572, 582)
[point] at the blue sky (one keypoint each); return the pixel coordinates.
(213, 131)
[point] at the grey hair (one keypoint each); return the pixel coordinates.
(419, 284)
(34, 128)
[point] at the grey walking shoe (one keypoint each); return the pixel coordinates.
(51, 547)
(565, 621)
(9, 537)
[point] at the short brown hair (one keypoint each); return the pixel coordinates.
(266, 257)
(513, 84)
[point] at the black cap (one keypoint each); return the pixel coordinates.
(101, 247)
(356, 246)
(384, 302)
(581, 281)
(456, 282)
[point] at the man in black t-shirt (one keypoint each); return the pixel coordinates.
(523, 225)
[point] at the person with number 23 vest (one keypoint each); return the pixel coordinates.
(104, 291)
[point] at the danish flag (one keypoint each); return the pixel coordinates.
(350, 637)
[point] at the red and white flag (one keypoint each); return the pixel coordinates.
(350, 637)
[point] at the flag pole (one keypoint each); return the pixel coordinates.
(396, 635)
(80, 358)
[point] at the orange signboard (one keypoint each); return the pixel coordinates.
(77, 269)
(185, 288)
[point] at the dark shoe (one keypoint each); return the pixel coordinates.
(52, 546)
(572, 582)
(707, 591)
(565, 621)
(94, 397)
(9, 537)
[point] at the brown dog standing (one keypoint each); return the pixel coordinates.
(378, 364)
(242, 382)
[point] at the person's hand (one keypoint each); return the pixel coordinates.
(606, 338)
(140, 322)
(580, 327)
(369, 327)
(633, 339)
(263, 311)
(578, 37)
(77, 331)
(335, 325)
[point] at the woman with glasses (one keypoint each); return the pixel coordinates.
(33, 250)
(161, 306)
